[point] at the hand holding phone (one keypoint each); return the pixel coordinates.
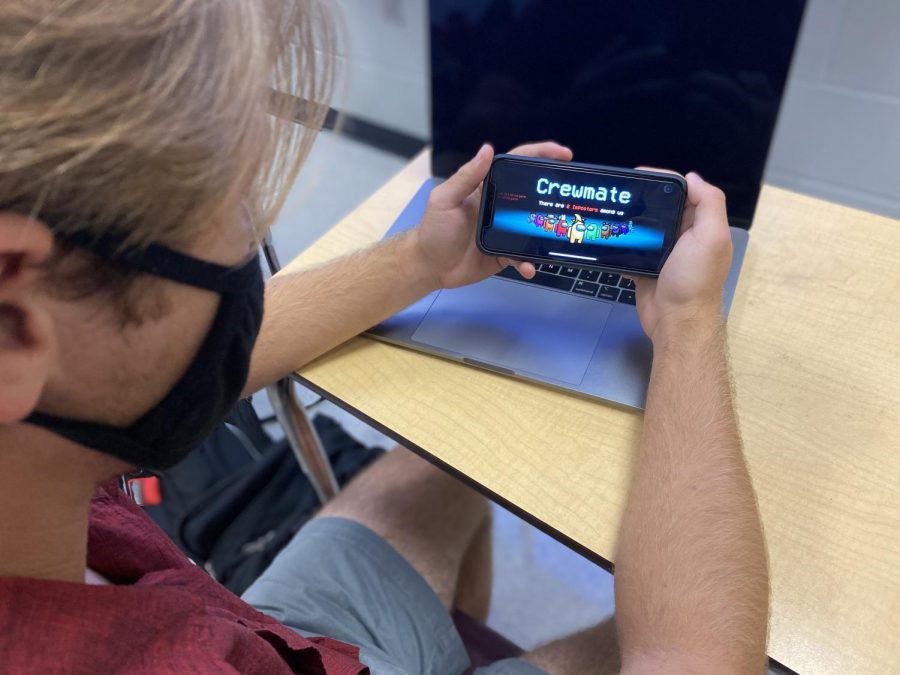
(444, 242)
(580, 215)
(690, 285)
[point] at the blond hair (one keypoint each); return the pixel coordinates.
(147, 116)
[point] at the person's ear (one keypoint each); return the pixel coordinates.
(27, 343)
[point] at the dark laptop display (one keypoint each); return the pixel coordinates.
(683, 85)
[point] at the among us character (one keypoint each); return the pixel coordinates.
(550, 223)
(615, 229)
(577, 232)
(604, 230)
(539, 220)
(592, 232)
(531, 217)
(562, 227)
(624, 228)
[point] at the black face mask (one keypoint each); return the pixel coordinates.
(213, 382)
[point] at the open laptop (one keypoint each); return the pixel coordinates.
(676, 85)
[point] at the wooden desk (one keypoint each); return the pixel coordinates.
(815, 344)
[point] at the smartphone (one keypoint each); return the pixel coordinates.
(580, 215)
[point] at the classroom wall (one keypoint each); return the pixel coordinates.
(385, 64)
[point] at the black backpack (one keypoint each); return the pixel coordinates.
(239, 498)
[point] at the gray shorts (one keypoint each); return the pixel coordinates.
(339, 579)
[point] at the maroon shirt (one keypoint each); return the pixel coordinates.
(162, 615)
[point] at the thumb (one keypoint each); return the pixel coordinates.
(452, 192)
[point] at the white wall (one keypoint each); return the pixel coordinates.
(385, 64)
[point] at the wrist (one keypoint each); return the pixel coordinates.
(687, 324)
(415, 264)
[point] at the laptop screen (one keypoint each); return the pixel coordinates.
(681, 85)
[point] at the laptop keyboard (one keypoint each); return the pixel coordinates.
(592, 283)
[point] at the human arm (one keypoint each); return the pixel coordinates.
(310, 312)
(691, 569)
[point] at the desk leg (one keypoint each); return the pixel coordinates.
(303, 439)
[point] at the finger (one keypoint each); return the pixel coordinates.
(526, 269)
(687, 217)
(657, 169)
(710, 216)
(548, 149)
(453, 191)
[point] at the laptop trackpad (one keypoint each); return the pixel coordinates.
(520, 327)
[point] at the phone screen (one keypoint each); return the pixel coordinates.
(581, 216)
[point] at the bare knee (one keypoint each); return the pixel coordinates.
(429, 517)
(404, 489)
